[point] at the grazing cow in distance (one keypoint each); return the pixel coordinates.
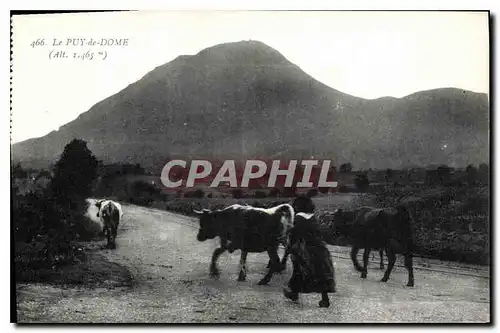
(386, 229)
(249, 229)
(110, 213)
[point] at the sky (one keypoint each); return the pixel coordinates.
(365, 54)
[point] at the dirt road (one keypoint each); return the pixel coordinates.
(170, 268)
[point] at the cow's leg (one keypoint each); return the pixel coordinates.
(108, 236)
(214, 271)
(114, 231)
(354, 253)
(381, 252)
(243, 267)
(275, 262)
(284, 260)
(391, 256)
(366, 257)
(409, 267)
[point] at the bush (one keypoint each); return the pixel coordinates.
(260, 194)
(274, 193)
(237, 193)
(143, 193)
(44, 232)
(312, 193)
(343, 189)
(199, 194)
(323, 190)
(48, 221)
(362, 182)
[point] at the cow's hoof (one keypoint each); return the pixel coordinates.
(410, 284)
(290, 295)
(363, 275)
(384, 279)
(242, 277)
(263, 282)
(324, 304)
(214, 273)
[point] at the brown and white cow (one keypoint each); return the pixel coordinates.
(249, 229)
(110, 214)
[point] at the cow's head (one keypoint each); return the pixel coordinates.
(98, 204)
(342, 222)
(108, 210)
(208, 224)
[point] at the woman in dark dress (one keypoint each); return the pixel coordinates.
(313, 270)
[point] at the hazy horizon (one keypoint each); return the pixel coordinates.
(450, 51)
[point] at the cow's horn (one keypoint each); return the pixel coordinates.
(199, 212)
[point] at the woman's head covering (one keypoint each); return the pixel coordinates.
(303, 204)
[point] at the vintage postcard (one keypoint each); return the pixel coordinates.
(251, 167)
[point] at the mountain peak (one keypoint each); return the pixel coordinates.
(243, 52)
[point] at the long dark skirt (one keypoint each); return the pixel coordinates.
(313, 270)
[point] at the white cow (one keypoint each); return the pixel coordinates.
(110, 213)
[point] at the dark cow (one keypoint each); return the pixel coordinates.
(249, 229)
(110, 213)
(386, 229)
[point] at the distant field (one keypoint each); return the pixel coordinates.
(330, 201)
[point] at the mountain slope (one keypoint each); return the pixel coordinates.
(245, 99)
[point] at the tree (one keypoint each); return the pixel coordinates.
(74, 174)
(471, 174)
(484, 173)
(444, 173)
(138, 169)
(362, 182)
(18, 172)
(346, 167)
(388, 175)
